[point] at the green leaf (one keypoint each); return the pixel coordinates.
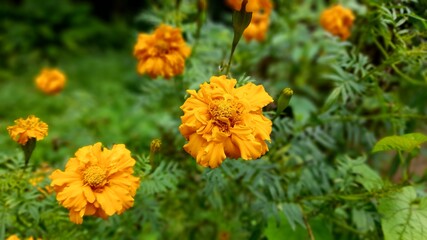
(404, 217)
(405, 142)
(293, 214)
(321, 230)
(367, 177)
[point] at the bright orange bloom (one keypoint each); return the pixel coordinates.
(97, 181)
(50, 81)
(261, 10)
(338, 21)
(24, 129)
(162, 53)
(15, 237)
(223, 121)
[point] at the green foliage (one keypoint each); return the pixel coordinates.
(320, 178)
(54, 29)
(405, 142)
(404, 215)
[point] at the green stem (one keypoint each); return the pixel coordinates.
(3, 224)
(307, 225)
(403, 165)
(375, 117)
(400, 73)
(229, 60)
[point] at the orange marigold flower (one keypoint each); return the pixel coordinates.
(338, 21)
(50, 81)
(261, 10)
(162, 53)
(97, 181)
(24, 129)
(223, 121)
(258, 27)
(15, 237)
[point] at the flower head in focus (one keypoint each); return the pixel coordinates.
(97, 181)
(261, 10)
(162, 53)
(50, 81)
(24, 129)
(222, 121)
(338, 21)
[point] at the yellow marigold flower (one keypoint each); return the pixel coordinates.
(252, 6)
(223, 121)
(338, 21)
(15, 237)
(162, 53)
(258, 27)
(261, 10)
(24, 129)
(97, 181)
(50, 81)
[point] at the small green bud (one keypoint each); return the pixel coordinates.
(28, 149)
(241, 20)
(284, 99)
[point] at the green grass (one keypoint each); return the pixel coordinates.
(103, 100)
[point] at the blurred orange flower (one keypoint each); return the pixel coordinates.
(162, 53)
(39, 175)
(223, 121)
(261, 10)
(15, 237)
(24, 129)
(50, 81)
(97, 181)
(338, 21)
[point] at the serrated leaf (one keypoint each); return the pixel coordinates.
(293, 214)
(405, 142)
(369, 179)
(404, 217)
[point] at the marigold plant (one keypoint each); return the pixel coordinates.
(50, 81)
(24, 129)
(97, 181)
(222, 121)
(337, 20)
(162, 53)
(261, 10)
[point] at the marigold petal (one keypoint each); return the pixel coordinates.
(256, 96)
(88, 193)
(195, 146)
(215, 154)
(75, 217)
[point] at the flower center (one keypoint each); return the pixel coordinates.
(162, 46)
(225, 113)
(95, 176)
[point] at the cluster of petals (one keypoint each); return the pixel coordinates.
(338, 21)
(261, 10)
(222, 121)
(50, 81)
(24, 129)
(15, 237)
(97, 181)
(162, 53)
